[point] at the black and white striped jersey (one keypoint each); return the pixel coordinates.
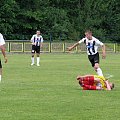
(91, 45)
(36, 40)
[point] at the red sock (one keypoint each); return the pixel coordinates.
(90, 87)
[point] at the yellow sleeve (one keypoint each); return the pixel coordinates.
(102, 81)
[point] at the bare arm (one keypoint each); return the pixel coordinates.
(103, 52)
(32, 40)
(41, 45)
(71, 47)
(2, 47)
(108, 86)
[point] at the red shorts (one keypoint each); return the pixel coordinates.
(88, 80)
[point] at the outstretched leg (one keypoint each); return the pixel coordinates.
(38, 59)
(32, 59)
(98, 69)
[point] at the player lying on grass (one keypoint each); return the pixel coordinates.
(94, 82)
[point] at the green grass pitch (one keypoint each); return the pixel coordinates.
(51, 92)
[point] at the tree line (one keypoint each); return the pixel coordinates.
(67, 19)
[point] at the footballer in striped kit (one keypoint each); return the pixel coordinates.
(37, 42)
(92, 45)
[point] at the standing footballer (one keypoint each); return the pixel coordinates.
(92, 45)
(37, 41)
(2, 47)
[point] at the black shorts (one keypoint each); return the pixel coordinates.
(94, 59)
(0, 64)
(35, 49)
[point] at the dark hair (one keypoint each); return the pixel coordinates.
(88, 31)
(112, 86)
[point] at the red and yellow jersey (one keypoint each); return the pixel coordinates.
(102, 81)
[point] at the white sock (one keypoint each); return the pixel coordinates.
(0, 78)
(99, 72)
(38, 60)
(32, 58)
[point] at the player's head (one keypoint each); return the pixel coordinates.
(111, 85)
(38, 32)
(88, 34)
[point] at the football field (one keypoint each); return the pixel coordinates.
(51, 91)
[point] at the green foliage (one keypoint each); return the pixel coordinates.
(8, 12)
(71, 17)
